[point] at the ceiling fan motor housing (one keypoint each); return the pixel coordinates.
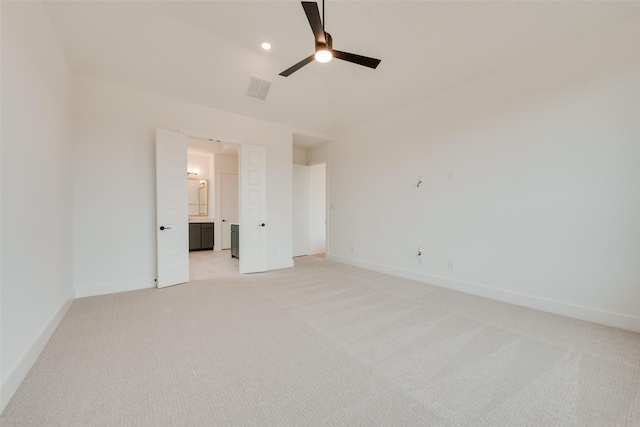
(325, 46)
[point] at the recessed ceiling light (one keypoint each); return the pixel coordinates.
(266, 46)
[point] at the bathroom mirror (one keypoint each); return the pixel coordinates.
(198, 203)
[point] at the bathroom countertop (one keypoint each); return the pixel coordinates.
(197, 219)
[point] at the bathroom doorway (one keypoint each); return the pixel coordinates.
(216, 164)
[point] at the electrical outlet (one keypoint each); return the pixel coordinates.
(420, 255)
(351, 249)
(452, 176)
(450, 265)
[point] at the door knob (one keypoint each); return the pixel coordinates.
(261, 225)
(162, 227)
(224, 220)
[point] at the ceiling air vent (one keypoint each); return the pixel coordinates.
(258, 88)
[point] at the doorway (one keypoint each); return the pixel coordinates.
(217, 164)
(172, 231)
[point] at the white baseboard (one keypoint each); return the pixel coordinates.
(285, 263)
(589, 314)
(115, 287)
(19, 372)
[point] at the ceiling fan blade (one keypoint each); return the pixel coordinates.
(357, 59)
(291, 70)
(313, 15)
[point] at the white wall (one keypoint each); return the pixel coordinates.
(317, 154)
(544, 207)
(299, 156)
(37, 218)
(114, 219)
(201, 163)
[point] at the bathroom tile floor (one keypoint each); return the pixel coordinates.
(212, 264)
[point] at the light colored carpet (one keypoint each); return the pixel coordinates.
(324, 344)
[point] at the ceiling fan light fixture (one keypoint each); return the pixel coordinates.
(324, 43)
(323, 55)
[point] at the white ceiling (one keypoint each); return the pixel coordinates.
(206, 51)
(202, 146)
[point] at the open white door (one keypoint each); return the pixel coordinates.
(253, 209)
(300, 210)
(172, 211)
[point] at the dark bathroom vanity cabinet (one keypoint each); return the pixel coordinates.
(235, 241)
(200, 236)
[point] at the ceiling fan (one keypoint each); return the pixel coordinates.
(324, 43)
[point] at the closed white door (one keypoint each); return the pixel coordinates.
(228, 206)
(300, 210)
(253, 209)
(172, 217)
(318, 208)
